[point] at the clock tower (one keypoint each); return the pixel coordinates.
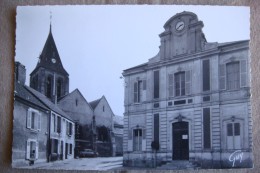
(49, 77)
(183, 35)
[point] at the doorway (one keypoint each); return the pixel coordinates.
(180, 141)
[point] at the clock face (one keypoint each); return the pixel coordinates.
(179, 26)
(53, 60)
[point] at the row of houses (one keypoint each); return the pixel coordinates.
(52, 124)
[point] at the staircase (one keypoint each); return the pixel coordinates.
(178, 165)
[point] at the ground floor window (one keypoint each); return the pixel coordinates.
(233, 135)
(137, 139)
(32, 149)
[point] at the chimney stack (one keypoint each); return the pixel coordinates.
(20, 73)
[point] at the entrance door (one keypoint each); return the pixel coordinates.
(180, 141)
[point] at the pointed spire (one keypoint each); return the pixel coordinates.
(50, 19)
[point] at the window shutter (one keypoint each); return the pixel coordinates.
(243, 74)
(144, 133)
(39, 121)
(28, 149)
(29, 114)
(144, 84)
(222, 76)
(135, 92)
(170, 85)
(187, 82)
(36, 150)
(130, 135)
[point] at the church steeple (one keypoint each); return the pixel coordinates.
(49, 76)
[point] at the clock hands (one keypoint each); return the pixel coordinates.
(180, 26)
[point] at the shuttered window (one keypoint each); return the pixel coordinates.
(243, 73)
(233, 76)
(33, 119)
(156, 88)
(206, 128)
(171, 85)
(138, 87)
(222, 76)
(32, 149)
(206, 75)
(179, 79)
(156, 127)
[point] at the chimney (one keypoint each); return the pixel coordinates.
(20, 73)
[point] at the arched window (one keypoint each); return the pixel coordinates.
(48, 86)
(59, 87)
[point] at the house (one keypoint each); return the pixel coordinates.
(77, 107)
(189, 102)
(42, 132)
(103, 120)
(30, 129)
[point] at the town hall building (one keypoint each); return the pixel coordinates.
(189, 102)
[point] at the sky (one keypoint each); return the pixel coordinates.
(97, 42)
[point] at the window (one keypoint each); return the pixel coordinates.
(69, 128)
(233, 78)
(206, 75)
(32, 149)
(58, 124)
(206, 128)
(156, 88)
(156, 127)
(55, 123)
(59, 88)
(233, 136)
(103, 108)
(179, 83)
(70, 148)
(137, 141)
(33, 119)
(137, 91)
(48, 86)
(233, 75)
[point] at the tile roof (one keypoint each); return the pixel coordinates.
(47, 102)
(118, 120)
(21, 92)
(94, 103)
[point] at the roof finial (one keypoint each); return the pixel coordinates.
(50, 19)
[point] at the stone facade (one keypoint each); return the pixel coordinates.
(189, 102)
(103, 121)
(77, 107)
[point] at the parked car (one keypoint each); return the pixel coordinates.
(88, 153)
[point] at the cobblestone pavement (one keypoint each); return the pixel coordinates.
(99, 163)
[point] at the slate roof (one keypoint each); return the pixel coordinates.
(23, 93)
(50, 52)
(47, 102)
(94, 103)
(118, 120)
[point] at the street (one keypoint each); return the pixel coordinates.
(99, 163)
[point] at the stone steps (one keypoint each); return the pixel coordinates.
(178, 165)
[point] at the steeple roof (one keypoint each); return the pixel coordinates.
(49, 58)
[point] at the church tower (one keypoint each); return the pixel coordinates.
(49, 77)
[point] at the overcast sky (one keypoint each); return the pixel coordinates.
(96, 43)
